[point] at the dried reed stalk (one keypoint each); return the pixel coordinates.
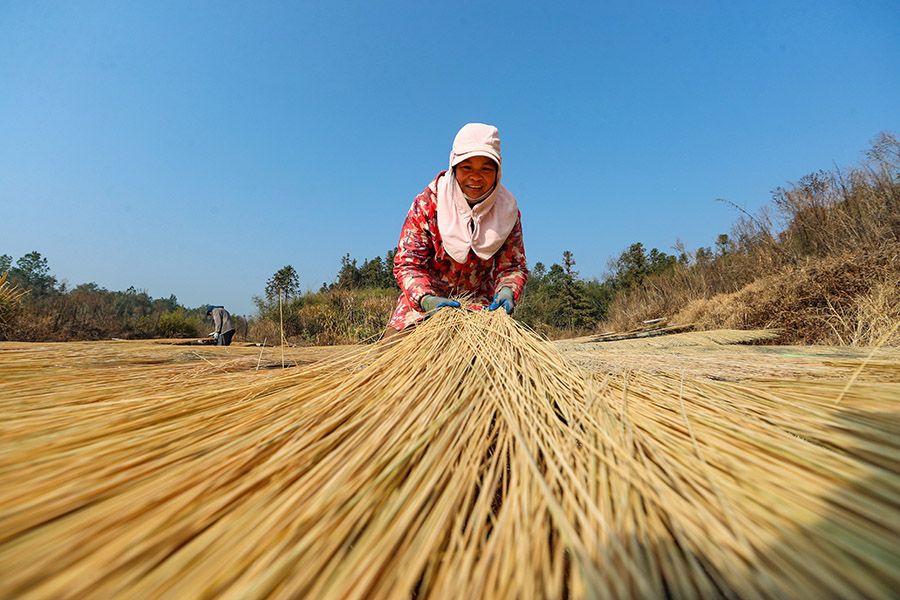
(470, 460)
(11, 297)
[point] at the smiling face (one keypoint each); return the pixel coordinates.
(476, 176)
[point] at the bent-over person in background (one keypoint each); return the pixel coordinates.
(224, 327)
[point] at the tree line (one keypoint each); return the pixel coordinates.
(556, 301)
(48, 310)
(825, 214)
(354, 306)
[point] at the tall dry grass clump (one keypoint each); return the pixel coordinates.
(831, 213)
(469, 460)
(842, 216)
(852, 299)
(11, 297)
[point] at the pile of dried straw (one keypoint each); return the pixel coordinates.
(10, 298)
(468, 461)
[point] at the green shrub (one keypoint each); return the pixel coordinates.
(337, 316)
(177, 324)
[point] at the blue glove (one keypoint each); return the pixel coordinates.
(505, 299)
(431, 304)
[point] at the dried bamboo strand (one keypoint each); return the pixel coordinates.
(634, 472)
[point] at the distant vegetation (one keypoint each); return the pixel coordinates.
(34, 306)
(822, 263)
(46, 310)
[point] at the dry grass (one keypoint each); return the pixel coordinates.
(471, 460)
(11, 297)
(822, 263)
(852, 300)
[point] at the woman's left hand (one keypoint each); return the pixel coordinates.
(503, 298)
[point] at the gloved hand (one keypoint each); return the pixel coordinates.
(504, 298)
(213, 334)
(431, 304)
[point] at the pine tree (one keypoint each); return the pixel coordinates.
(284, 283)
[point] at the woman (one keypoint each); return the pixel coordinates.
(462, 236)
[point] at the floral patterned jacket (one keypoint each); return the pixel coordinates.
(422, 267)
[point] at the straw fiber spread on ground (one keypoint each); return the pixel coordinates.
(712, 354)
(470, 460)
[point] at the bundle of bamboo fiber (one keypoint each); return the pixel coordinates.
(470, 460)
(10, 298)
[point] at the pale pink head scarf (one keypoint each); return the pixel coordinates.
(481, 228)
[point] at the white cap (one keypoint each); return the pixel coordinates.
(476, 139)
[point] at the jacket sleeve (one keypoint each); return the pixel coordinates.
(217, 319)
(415, 251)
(512, 271)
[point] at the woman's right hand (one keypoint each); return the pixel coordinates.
(431, 304)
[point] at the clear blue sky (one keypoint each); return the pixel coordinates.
(194, 148)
